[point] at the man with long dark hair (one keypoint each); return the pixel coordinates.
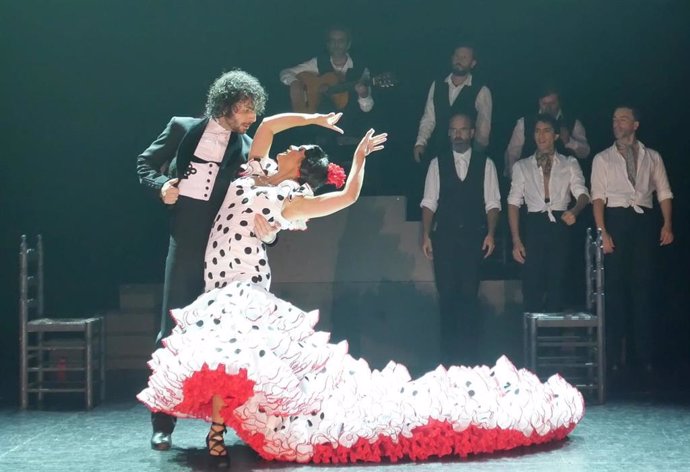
(189, 167)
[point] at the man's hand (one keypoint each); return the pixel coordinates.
(607, 243)
(519, 253)
(488, 245)
(427, 248)
(362, 90)
(568, 217)
(264, 230)
(666, 236)
(418, 152)
(169, 192)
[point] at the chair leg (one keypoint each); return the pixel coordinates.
(102, 359)
(24, 374)
(40, 361)
(89, 366)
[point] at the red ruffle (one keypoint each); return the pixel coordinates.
(198, 391)
(435, 439)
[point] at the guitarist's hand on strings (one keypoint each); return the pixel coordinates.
(362, 90)
(328, 121)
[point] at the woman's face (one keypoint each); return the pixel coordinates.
(290, 160)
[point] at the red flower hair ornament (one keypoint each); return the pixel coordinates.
(336, 175)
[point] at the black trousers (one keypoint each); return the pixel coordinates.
(190, 227)
(457, 259)
(630, 283)
(544, 271)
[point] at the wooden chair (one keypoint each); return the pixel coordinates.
(572, 344)
(58, 355)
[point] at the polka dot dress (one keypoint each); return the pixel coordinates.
(234, 253)
(292, 395)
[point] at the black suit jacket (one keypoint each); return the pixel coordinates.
(170, 154)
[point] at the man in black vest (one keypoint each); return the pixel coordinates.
(459, 214)
(572, 138)
(459, 92)
(337, 59)
(189, 167)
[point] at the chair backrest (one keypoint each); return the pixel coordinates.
(594, 272)
(31, 302)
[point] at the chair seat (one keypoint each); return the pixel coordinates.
(61, 324)
(564, 320)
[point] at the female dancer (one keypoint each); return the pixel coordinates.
(242, 357)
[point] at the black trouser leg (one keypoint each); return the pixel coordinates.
(630, 283)
(543, 273)
(457, 257)
(534, 268)
(184, 282)
(556, 259)
(643, 287)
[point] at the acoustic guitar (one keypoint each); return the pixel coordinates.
(333, 87)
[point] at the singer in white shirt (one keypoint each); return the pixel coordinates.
(544, 182)
(624, 179)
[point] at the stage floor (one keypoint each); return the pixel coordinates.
(629, 434)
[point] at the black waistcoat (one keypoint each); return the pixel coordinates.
(461, 202)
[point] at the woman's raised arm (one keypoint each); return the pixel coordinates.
(305, 208)
(272, 125)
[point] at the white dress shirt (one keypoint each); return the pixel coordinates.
(527, 185)
(610, 179)
(578, 143)
(202, 175)
(483, 105)
(289, 75)
(492, 196)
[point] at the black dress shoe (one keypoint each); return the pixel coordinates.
(161, 441)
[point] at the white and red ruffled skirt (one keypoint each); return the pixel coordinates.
(293, 396)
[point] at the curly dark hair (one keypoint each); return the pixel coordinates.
(314, 167)
(549, 120)
(232, 88)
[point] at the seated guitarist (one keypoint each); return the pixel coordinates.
(336, 59)
(319, 85)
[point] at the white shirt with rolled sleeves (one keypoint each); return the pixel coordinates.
(610, 179)
(565, 182)
(289, 75)
(483, 105)
(492, 196)
(578, 143)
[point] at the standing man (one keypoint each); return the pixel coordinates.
(624, 178)
(459, 92)
(459, 215)
(189, 167)
(572, 138)
(545, 182)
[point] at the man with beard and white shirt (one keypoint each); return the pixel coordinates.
(544, 182)
(572, 137)
(459, 92)
(624, 179)
(459, 215)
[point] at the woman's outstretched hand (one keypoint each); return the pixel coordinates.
(370, 143)
(328, 121)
